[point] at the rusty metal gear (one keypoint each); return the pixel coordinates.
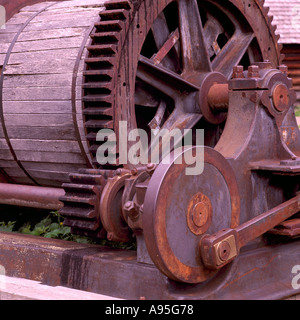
(141, 53)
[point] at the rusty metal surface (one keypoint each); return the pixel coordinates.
(165, 214)
(169, 66)
(221, 248)
(97, 269)
(31, 196)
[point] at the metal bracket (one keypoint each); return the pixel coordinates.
(221, 248)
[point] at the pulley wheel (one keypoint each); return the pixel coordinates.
(180, 209)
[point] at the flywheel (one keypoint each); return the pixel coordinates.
(180, 209)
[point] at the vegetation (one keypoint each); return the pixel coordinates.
(297, 111)
(48, 225)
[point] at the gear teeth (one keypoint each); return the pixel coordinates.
(273, 28)
(81, 201)
(266, 10)
(119, 14)
(118, 4)
(99, 74)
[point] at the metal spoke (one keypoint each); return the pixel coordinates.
(166, 48)
(212, 30)
(163, 79)
(156, 122)
(232, 53)
(178, 121)
(194, 47)
(161, 34)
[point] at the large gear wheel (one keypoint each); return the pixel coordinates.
(151, 64)
(141, 54)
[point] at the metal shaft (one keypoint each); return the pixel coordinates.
(31, 196)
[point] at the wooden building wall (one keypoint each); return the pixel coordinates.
(292, 60)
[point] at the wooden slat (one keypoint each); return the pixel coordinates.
(38, 120)
(61, 15)
(36, 94)
(49, 34)
(20, 18)
(37, 107)
(49, 44)
(57, 176)
(50, 157)
(64, 132)
(65, 167)
(80, 21)
(6, 37)
(16, 172)
(83, 10)
(79, 3)
(54, 61)
(6, 155)
(31, 80)
(37, 7)
(45, 145)
(11, 28)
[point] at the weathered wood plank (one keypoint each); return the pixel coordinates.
(58, 176)
(26, 181)
(36, 7)
(36, 94)
(3, 144)
(79, 3)
(51, 157)
(6, 37)
(50, 183)
(2, 59)
(61, 14)
(38, 120)
(4, 48)
(57, 11)
(64, 132)
(65, 167)
(37, 107)
(39, 93)
(31, 80)
(11, 28)
(18, 176)
(42, 62)
(50, 34)
(8, 164)
(51, 44)
(21, 17)
(45, 145)
(80, 21)
(15, 172)
(6, 155)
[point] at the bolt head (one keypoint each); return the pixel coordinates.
(129, 210)
(283, 68)
(238, 72)
(253, 71)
